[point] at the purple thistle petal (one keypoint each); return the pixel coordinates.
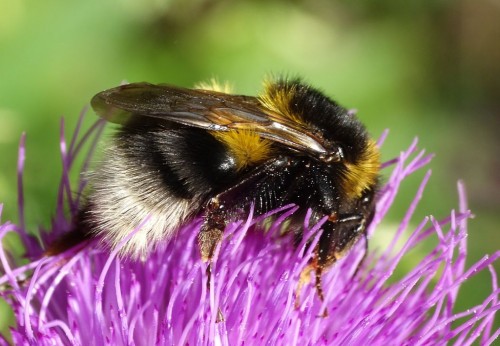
(21, 157)
(65, 187)
(89, 295)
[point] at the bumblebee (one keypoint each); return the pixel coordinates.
(183, 152)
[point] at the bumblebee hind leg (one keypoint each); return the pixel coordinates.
(80, 233)
(216, 210)
(211, 233)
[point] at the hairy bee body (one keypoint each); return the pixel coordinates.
(144, 183)
(185, 152)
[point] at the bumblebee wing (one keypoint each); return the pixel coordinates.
(165, 102)
(207, 109)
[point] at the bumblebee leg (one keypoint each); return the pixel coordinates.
(365, 237)
(333, 243)
(209, 237)
(211, 233)
(323, 259)
(304, 279)
(317, 263)
(216, 212)
(213, 227)
(340, 233)
(319, 288)
(79, 234)
(357, 232)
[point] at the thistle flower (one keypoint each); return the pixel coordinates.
(90, 296)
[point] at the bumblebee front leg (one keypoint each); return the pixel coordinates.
(319, 288)
(364, 235)
(304, 279)
(320, 261)
(322, 258)
(340, 233)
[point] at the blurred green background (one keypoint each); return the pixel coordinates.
(426, 68)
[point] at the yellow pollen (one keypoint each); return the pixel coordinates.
(214, 85)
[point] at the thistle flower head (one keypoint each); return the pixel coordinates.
(90, 296)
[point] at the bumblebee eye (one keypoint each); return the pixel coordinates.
(366, 197)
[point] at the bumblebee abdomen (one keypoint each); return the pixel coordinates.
(190, 162)
(155, 177)
(128, 201)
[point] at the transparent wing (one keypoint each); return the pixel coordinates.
(210, 110)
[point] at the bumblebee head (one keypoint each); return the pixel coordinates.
(349, 149)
